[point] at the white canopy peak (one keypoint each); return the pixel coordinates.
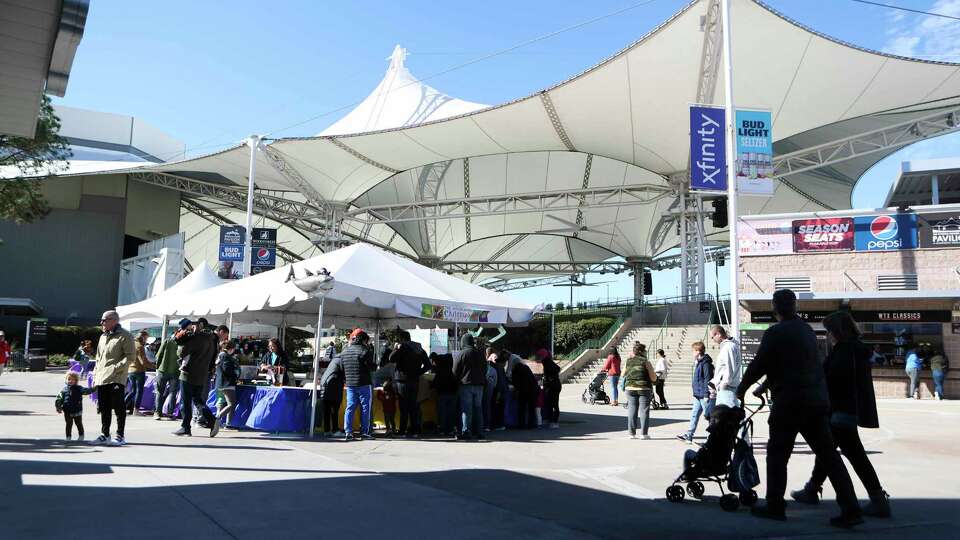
(397, 58)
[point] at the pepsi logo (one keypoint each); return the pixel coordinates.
(263, 254)
(883, 228)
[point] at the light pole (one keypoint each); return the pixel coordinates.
(317, 286)
(731, 170)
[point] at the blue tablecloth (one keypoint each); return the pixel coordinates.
(149, 392)
(269, 408)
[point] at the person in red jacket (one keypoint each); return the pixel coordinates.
(4, 351)
(612, 368)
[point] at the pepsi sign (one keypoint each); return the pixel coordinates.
(885, 232)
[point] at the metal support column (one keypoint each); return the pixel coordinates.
(731, 171)
(935, 189)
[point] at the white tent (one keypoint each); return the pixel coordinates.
(371, 285)
(152, 310)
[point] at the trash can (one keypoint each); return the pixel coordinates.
(38, 363)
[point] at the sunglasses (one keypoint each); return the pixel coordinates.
(110, 319)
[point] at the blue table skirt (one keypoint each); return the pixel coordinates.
(269, 408)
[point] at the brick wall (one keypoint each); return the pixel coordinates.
(894, 383)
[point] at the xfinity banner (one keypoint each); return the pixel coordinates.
(708, 167)
(940, 230)
(830, 234)
(886, 233)
(754, 139)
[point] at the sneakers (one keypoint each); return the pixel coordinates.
(79, 438)
(348, 437)
(879, 505)
(117, 441)
(366, 437)
(68, 439)
(632, 436)
(339, 434)
(938, 396)
(807, 495)
(846, 520)
(101, 440)
(685, 437)
(501, 428)
(554, 425)
(763, 510)
(215, 429)
(157, 416)
(183, 432)
(645, 437)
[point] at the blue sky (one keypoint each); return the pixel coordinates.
(210, 73)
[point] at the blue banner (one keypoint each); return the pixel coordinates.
(231, 242)
(708, 166)
(885, 233)
(754, 140)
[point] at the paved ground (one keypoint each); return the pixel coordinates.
(586, 480)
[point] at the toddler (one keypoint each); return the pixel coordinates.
(70, 403)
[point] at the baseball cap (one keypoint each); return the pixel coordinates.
(358, 335)
(184, 323)
(543, 353)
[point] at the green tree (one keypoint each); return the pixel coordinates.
(21, 200)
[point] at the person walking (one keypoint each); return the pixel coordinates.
(228, 373)
(411, 363)
(726, 375)
(612, 368)
(115, 351)
(358, 364)
(167, 381)
(912, 368)
(196, 353)
(69, 402)
(4, 351)
(789, 358)
(551, 390)
(470, 368)
(852, 403)
(137, 374)
(331, 395)
(702, 404)
(661, 370)
(637, 382)
(939, 365)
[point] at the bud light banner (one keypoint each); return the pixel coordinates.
(231, 243)
(830, 234)
(886, 233)
(754, 138)
(708, 167)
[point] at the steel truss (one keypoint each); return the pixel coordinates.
(533, 268)
(548, 201)
(504, 285)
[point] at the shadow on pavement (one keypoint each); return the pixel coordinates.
(58, 445)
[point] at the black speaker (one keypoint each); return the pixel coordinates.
(647, 283)
(719, 213)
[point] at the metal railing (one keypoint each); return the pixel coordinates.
(597, 343)
(658, 341)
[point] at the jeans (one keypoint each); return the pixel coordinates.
(358, 395)
(848, 439)
(409, 406)
(488, 406)
(659, 387)
(816, 431)
(638, 404)
(134, 397)
(938, 377)
(110, 399)
(914, 375)
(205, 392)
(164, 386)
(329, 411)
(192, 397)
(446, 413)
(700, 406)
(614, 388)
(230, 396)
(471, 408)
(551, 404)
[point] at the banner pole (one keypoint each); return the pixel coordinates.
(731, 171)
(253, 142)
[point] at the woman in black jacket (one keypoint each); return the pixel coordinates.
(852, 404)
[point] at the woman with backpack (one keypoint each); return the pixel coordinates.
(637, 382)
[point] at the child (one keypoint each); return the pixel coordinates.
(228, 371)
(388, 401)
(70, 403)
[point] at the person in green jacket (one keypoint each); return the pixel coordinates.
(167, 383)
(637, 382)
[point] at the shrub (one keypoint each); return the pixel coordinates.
(58, 360)
(66, 339)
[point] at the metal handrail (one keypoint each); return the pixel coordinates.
(654, 345)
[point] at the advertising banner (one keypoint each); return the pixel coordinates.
(886, 233)
(231, 251)
(754, 151)
(264, 246)
(829, 234)
(940, 230)
(441, 312)
(765, 237)
(708, 167)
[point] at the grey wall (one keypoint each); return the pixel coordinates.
(69, 261)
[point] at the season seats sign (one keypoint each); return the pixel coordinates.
(829, 234)
(886, 232)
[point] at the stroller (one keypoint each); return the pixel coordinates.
(731, 432)
(594, 393)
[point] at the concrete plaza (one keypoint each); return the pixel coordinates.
(586, 480)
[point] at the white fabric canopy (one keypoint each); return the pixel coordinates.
(370, 284)
(152, 310)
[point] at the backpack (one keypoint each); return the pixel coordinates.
(743, 474)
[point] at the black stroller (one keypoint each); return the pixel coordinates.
(726, 457)
(594, 393)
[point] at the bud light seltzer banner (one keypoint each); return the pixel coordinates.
(831, 234)
(754, 138)
(708, 167)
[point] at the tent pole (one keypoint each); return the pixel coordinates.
(551, 333)
(253, 142)
(230, 322)
(163, 330)
(316, 367)
(456, 336)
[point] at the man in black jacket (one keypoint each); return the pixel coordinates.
(470, 367)
(358, 362)
(790, 359)
(196, 354)
(411, 362)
